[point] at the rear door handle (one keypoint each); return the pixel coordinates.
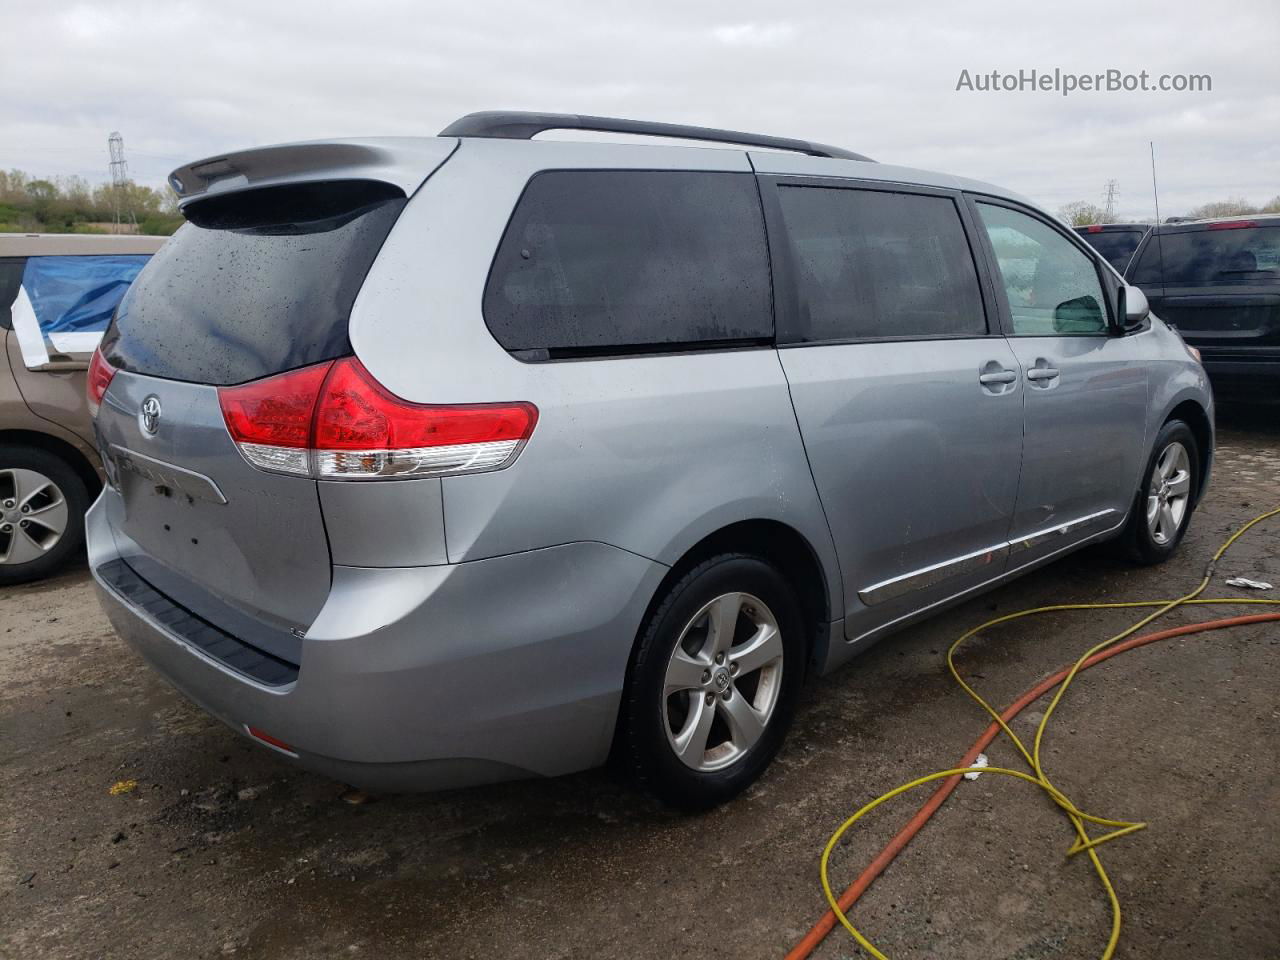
(1042, 373)
(1004, 376)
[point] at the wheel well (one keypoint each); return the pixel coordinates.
(783, 546)
(60, 449)
(1194, 416)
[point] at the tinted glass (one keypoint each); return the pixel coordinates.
(600, 261)
(1238, 254)
(256, 283)
(873, 264)
(10, 281)
(1116, 246)
(1052, 285)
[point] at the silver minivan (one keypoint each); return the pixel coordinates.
(441, 461)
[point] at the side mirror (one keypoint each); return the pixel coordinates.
(1133, 307)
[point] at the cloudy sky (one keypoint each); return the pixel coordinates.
(185, 80)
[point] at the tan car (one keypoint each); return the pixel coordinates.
(49, 469)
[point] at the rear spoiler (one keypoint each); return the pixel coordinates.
(404, 162)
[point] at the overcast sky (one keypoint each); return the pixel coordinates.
(187, 80)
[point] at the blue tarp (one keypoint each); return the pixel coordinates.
(78, 294)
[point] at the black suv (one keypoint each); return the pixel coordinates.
(1115, 241)
(1218, 282)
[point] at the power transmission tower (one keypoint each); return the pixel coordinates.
(1110, 196)
(120, 181)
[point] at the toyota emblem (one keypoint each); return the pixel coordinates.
(149, 415)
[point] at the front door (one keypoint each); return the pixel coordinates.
(1085, 396)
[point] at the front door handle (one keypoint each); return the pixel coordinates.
(1042, 373)
(1003, 376)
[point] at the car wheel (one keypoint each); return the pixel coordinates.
(1162, 510)
(42, 507)
(713, 682)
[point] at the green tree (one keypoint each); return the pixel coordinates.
(1079, 213)
(72, 204)
(1235, 207)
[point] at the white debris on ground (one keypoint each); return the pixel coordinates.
(1248, 584)
(979, 761)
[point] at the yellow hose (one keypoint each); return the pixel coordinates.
(1078, 818)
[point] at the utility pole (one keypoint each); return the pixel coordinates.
(119, 181)
(1110, 195)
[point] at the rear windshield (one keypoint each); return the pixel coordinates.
(1116, 246)
(1211, 256)
(255, 283)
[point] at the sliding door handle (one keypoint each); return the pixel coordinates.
(1003, 376)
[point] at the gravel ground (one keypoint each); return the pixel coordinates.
(221, 850)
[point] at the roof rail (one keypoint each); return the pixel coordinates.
(519, 125)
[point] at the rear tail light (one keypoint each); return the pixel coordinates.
(335, 421)
(97, 381)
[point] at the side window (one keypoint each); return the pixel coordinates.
(1230, 252)
(1146, 271)
(601, 261)
(872, 264)
(1052, 285)
(10, 281)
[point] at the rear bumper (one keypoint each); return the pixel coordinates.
(1252, 378)
(426, 678)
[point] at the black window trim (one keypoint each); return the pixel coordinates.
(1109, 282)
(632, 351)
(786, 290)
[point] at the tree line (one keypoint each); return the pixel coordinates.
(72, 205)
(1080, 213)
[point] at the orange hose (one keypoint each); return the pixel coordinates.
(809, 942)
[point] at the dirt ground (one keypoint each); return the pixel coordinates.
(222, 850)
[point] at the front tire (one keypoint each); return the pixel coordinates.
(713, 682)
(1162, 509)
(42, 507)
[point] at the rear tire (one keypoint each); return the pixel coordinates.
(713, 682)
(1166, 498)
(42, 507)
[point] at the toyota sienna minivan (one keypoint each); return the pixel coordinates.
(448, 460)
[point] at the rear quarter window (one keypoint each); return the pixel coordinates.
(598, 262)
(1211, 256)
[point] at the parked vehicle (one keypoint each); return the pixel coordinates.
(1218, 282)
(49, 468)
(1115, 241)
(442, 461)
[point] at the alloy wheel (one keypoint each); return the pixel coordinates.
(722, 681)
(33, 515)
(1168, 493)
